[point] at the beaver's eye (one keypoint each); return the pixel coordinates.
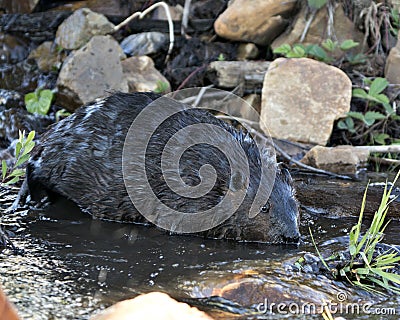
(266, 207)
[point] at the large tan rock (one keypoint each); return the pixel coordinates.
(342, 29)
(301, 99)
(258, 21)
(142, 76)
(93, 71)
(154, 305)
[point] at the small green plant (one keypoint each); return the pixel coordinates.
(374, 97)
(221, 57)
(321, 53)
(39, 101)
(395, 22)
(23, 149)
(369, 267)
(62, 113)
(162, 87)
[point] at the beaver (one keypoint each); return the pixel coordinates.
(80, 158)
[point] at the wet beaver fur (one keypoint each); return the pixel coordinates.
(80, 158)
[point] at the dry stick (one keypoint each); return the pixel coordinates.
(282, 152)
(307, 26)
(141, 14)
(185, 17)
(189, 76)
(385, 161)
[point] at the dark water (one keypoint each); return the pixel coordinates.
(73, 266)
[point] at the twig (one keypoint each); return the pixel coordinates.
(141, 14)
(381, 149)
(189, 76)
(307, 26)
(385, 161)
(185, 17)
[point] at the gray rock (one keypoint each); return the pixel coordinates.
(80, 27)
(141, 74)
(143, 43)
(301, 99)
(91, 72)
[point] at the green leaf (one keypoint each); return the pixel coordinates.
(381, 98)
(28, 147)
(342, 125)
(356, 115)
(316, 4)
(360, 93)
(329, 45)
(377, 86)
(39, 101)
(3, 169)
(17, 173)
(283, 49)
(31, 136)
(18, 149)
(371, 116)
(350, 124)
(22, 160)
(318, 52)
(298, 51)
(31, 97)
(348, 44)
(12, 181)
(380, 138)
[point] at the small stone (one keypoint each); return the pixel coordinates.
(143, 43)
(258, 21)
(142, 76)
(91, 72)
(341, 159)
(142, 308)
(301, 99)
(80, 27)
(46, 56)
(247, 51)
(392, 67)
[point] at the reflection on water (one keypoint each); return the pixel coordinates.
(74, 266)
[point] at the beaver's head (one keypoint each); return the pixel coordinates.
(277, 221)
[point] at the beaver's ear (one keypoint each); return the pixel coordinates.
(285, 172)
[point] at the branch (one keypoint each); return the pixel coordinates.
(145, 12)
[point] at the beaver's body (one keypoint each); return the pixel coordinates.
(80, 158)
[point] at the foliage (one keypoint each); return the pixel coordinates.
(368, 267)
(162, 87)
(62, 113)
(316, 4)
(39, 101)
(221, 57)
(321, 53)
(23, 149)
(374, 98)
